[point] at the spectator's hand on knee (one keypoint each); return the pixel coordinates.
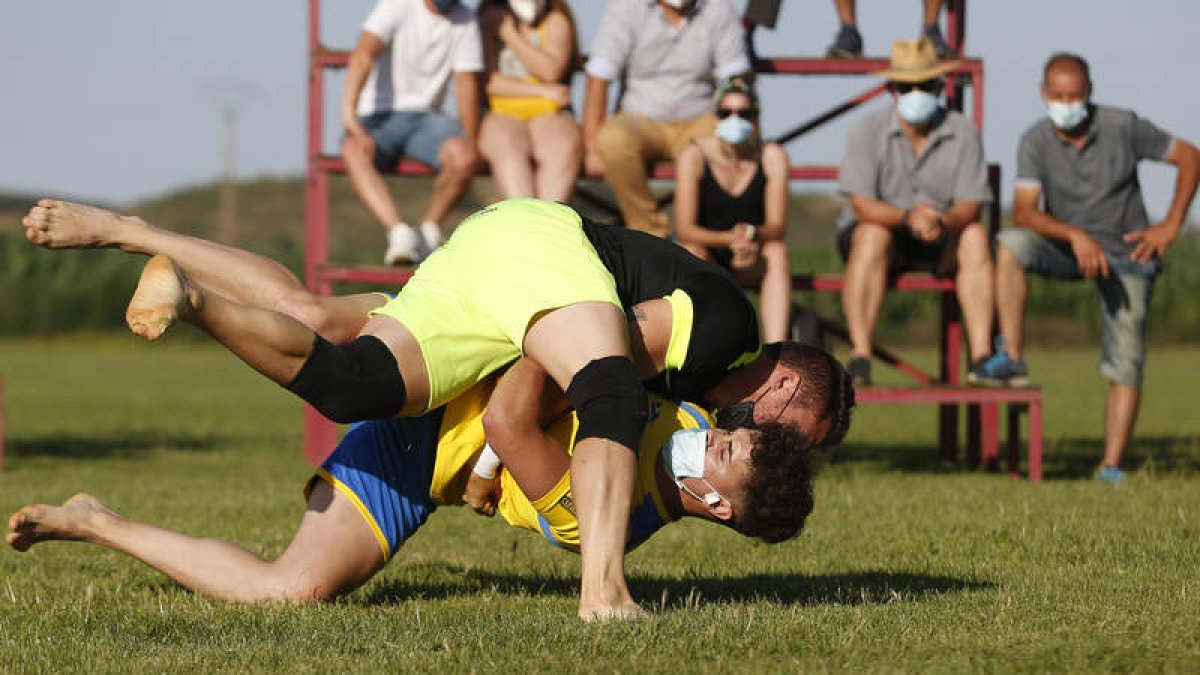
(926, 223)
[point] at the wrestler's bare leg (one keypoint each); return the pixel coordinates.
(272, 343)
(333, 552)
(241, 276)
(603, 472)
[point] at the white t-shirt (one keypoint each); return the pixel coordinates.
(422, 50)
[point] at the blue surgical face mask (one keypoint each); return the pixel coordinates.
(1067, 116)
(683, 457)
(444, 6)
(917, 106)
(734, 130)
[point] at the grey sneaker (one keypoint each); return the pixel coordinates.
(847, 45)
(934, 33)
(859, 368)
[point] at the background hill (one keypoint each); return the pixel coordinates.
(43, 292)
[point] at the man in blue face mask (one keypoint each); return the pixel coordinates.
(1079, 215)
(915, 180)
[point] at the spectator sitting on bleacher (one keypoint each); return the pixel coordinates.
(731, 200)
(915, 178)
(849, 45)
(1079, 214)
(665, 55)
(530, 137)
(395, 84)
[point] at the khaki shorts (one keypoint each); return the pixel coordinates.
(471, 302)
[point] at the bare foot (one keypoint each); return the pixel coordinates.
(36, 523)
(58, 224)
(162, 296)
(623, 612)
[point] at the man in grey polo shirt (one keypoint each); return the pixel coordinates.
(1079, 215)
(915, 180)
(666, 56)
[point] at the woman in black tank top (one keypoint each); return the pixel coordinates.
(731, 204)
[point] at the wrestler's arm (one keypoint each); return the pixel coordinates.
(526, 400)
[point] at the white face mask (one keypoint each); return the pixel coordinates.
(1067, 116)
(683, 457)
(527, 10)
(681, 5)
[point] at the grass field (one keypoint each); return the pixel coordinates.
(907, 564)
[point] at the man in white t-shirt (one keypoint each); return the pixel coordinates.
(391, 105)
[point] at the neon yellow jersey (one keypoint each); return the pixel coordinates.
(462, 437)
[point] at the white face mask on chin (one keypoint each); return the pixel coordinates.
(681, 5)
(527, 10)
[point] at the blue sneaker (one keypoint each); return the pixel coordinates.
(1110, 474)
(1000, 369)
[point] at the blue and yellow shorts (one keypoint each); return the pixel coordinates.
(470, 303)
(385, 468)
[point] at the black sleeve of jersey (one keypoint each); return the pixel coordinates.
(724, 332)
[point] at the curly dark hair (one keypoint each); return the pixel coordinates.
(779, 494)
(825, 386)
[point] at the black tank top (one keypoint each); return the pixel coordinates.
(719, 210)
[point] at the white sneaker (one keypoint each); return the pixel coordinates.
(432, 233)
(404, 246)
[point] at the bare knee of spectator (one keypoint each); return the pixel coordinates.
(775, 253)
(973, 247)
(459, 158)
(353, 148)
(559, 148)
(871, 243)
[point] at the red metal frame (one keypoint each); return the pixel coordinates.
(320, 276)
(1018, 400)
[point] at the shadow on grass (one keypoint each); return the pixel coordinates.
(123, 444)
(855, 588)
(1069, 458)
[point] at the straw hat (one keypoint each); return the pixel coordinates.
(915, 61)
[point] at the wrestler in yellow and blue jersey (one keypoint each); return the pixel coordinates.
(397, 471)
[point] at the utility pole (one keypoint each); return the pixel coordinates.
(227, 197)
(231, 95)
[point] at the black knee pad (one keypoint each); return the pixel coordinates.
(609, 401)
(351, 382)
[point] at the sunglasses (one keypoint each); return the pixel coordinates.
(930, 86)
(748, 114)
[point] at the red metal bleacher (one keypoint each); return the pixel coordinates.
(321, 274)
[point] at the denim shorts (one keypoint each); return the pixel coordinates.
(409, 133)
(1124, 297)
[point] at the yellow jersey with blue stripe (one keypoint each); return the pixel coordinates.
(462, 438)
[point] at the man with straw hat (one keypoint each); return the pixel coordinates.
(915, 180)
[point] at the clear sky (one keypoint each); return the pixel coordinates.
(119, 101)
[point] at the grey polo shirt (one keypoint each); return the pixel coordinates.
(880, 163)
(667, 73)
(1096, 187)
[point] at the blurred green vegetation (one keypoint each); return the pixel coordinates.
(44, 292)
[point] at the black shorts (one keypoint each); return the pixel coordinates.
(909, 254)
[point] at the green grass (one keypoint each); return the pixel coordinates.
(907, 564)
